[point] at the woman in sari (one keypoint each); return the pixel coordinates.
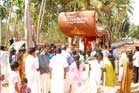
(76, 74)
(127, 74)
(21, 57)
(109, 72)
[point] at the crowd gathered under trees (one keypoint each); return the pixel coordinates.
(45, 69)
(40, 69)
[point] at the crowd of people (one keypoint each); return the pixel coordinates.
(45, 69)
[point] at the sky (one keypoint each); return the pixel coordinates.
(135, 17)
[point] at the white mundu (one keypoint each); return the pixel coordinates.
(31, 66)
(4, 62)
(95, 75)
(57, 64)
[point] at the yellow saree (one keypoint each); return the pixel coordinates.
(109, 75)
(22, 66)
(127, 78)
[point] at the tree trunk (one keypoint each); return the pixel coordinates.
(87, 4)
(28, 24)
(8, 23)
(40, 20)
(0, 27)
(15, 29)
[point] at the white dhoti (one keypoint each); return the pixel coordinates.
(67, 83)
(45, 83)
(57, 86)
(120, 73)
(116, 66)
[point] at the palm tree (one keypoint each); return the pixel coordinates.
(28, 24)
(9, 5)
(19, 13)
(112, 13)
(0, 25)
(41, 17)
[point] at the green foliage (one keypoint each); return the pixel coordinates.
(3, 12)
(113, 13)
(3, 33)
(134, 31)
(53, 35)
(110, 13)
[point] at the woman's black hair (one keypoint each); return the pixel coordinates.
(74, 52)
(129, 55)
(130, 58)
(76, 58)
(111, 59)
(99, 54)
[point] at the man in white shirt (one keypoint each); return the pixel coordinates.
(121, 61)
(4, 62)
(81, 44)
(69, 60)
(31, 67)
(44, 70)
(96, 71)
(58, 66)
(136, 64)
(67, 55)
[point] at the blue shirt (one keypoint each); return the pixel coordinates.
(43, 62)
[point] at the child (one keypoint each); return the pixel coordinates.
(14, 78)
(24, 88)
(13, 56)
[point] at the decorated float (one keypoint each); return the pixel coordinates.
(84, 24)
